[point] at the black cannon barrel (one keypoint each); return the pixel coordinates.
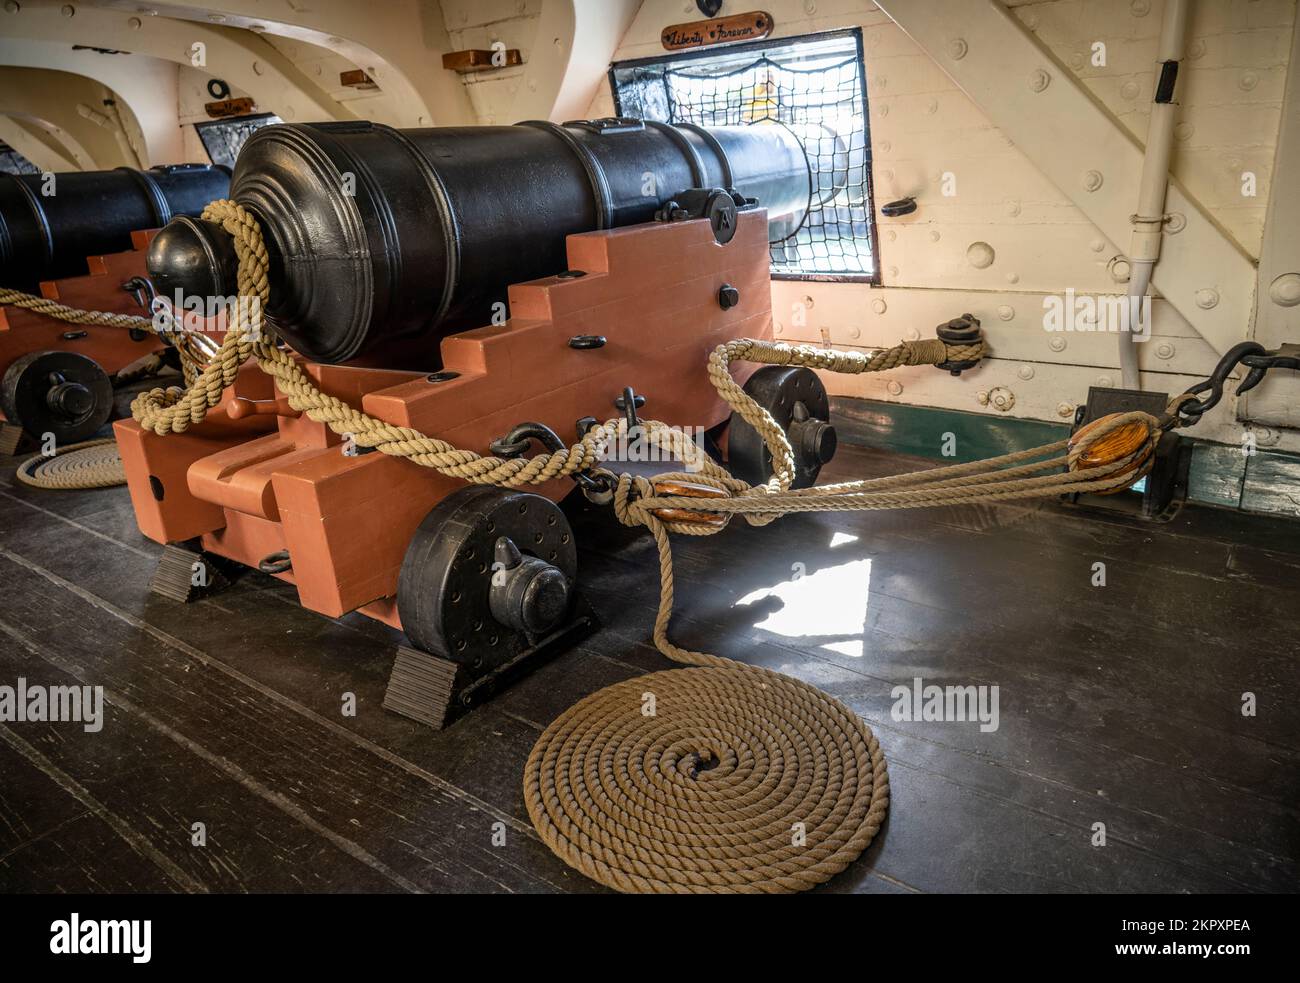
(50, 223)
(384, 241)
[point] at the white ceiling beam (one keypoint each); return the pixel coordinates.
(148, 86)
(399, 43)
(74, 105)
(39, 143)
(561, 78)
(245, 60)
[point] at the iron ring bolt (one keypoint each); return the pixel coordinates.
(964, 330)
(277, 562)
(506, 448)
(141, 291)
(629, 403)
(728, 296)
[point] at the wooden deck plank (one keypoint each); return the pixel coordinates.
(1119, 705)
(417, 834)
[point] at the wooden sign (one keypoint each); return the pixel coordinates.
(481, 59)
(356, 78)
(722, 30)
(229, 107)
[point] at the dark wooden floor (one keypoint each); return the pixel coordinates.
(1118, 705)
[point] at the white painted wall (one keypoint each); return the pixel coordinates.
(923, 125)
(146, 85)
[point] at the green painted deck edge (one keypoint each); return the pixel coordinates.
(1221, 475)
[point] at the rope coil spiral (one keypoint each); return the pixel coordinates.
(90, 464)
(741, 779)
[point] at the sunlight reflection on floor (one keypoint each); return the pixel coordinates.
(825, 603)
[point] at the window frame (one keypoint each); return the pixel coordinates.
(700, 54)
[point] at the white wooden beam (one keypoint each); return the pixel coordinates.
(67, 104)
(243, 59)
(561, 78)
(36, 141)
(399, 43)
(147, 85)
(1065, 132)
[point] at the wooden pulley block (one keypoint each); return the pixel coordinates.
(1113, 449)
(689, 489)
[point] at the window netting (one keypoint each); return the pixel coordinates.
(12, 162)
(224, 138)
(814, 86)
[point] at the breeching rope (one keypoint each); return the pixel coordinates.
(740, 778)
(73, 315)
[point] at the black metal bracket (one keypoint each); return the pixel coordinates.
(718, 205)
(964, 330)
(607, 124)
(435, 691)
(521, 435)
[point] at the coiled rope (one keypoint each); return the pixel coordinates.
(741, 779)
(718, 777)
(90, 464)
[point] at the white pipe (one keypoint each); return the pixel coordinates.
(1148, 222)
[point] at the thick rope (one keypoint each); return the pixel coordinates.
(91, 464)
(73, 315)
(194, 352)
(719, 777)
